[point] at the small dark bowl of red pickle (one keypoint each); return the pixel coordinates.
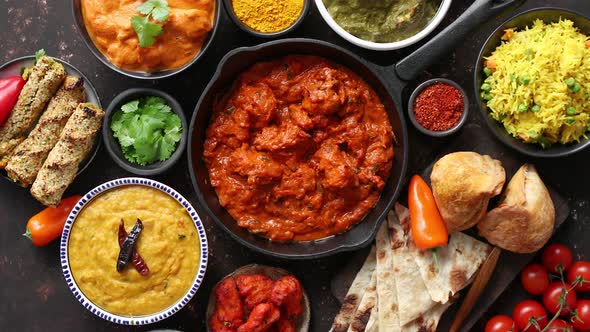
(433, 132)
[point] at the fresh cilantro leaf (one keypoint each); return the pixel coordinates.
(146, 30)
(130, 106)
(126, 140)
(151, 124)
(117, 123)
(146, 7)
(161, 11)
(173, 134)
(39, 54)
(147, 150)
(147, 130)
(173, 122)
(167, 148)
(158, 9)
(156, 102)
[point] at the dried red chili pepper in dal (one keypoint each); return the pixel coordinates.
(138, 263)
(438, 107)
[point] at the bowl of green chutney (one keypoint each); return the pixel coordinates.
(383, 25)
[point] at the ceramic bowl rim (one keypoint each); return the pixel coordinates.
(441, 13)
(144, 319)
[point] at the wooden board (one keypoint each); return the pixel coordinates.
(478, 139)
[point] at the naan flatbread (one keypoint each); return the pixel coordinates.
(457, 262)
(365, 316)
(412, 295)
(400, 293)
(387, 307)
(355, 293)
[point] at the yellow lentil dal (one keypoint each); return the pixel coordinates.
(169, 244)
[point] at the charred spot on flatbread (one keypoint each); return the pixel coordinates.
(424, 325)
(351, 300)
(396, 243)
(424, 328)
(405, 226)
(363, 319)
(458, 279)
(420, 320)
(339, 328)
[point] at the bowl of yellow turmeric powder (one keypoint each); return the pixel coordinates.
(267, 18)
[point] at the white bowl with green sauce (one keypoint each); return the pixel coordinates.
(383, 25)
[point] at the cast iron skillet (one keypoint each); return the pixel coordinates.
(547, 14)
(390, 92)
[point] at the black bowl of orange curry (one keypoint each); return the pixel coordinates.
(109, 29)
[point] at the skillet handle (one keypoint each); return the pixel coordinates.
(477, 14)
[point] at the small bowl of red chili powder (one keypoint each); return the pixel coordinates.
(438, 107)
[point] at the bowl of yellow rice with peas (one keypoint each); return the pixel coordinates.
(533, 82)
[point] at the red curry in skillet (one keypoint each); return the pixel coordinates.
(299, 149)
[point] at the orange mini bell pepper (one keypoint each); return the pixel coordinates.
(428, 228)
(47, 225)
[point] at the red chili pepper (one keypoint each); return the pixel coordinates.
(10, 88)
(48, 224)
(428, 228)
(137, 261)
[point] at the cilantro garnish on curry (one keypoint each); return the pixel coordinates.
(146, 30)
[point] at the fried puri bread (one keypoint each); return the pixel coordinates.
(523, 221)
(462, 184)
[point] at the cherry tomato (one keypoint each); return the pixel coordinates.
(528, 311)
(559, 325)
(501, 323)
(535, 279)
(581, 317)
(580, 269)
(552, 295)
(557, 255)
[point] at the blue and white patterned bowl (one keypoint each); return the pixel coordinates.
(135, 320)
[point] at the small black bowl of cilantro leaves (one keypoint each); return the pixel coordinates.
(144, 131)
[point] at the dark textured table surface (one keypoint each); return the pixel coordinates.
(33, 294)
